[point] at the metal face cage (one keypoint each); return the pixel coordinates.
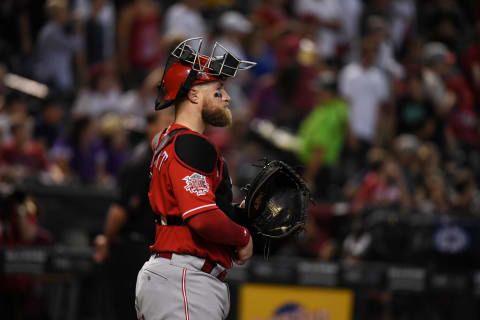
(220, 62)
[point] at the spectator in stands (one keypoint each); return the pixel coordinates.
(466, 196)
(115, 141)
(15, 110)
(437, 65)
(366, 89)
(102, 96)
(271, 18)
(56, 49)
(20, 296)
(377, 28)
(296, 50)
(49, 124)
(382, 186)
(81, 156)
(139, 39)
(99, 19)
(415, 113)
(405, 151)
(19, 219)
(429, 158)
(433, 198)
(322, 135)
(23, 156)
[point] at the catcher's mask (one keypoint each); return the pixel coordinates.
(186, 67)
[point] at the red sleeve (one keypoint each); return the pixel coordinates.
(216, 227)
(192, 190)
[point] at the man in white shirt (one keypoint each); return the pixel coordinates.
(366, 89)
(56, 49)
(184, 20)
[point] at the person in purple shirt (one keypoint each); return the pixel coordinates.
(81, 155)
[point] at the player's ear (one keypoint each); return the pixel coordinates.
(194, 95)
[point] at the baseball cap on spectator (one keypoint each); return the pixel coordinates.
(407, 143)
(437, 51)
(233, 21)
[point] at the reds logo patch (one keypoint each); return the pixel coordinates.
(196, 183)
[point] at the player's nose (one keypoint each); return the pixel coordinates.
(225, 96)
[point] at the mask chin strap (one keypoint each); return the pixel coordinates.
(187, 85)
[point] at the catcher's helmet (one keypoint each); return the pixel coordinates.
(187, 67)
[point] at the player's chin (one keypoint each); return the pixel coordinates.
(218, 118)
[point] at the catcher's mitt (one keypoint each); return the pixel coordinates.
(276, 201)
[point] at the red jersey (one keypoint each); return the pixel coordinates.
(179, 191)
(144, 51)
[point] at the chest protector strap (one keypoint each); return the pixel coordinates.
(163, 143)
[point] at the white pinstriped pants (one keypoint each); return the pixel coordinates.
(171, 289)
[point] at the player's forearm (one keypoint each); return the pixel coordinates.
(216, 227)
(116, 219)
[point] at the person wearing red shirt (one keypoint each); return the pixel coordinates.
(196, 241)
(22, 153)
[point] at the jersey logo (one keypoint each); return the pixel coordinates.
(196, 183)
(163, 157)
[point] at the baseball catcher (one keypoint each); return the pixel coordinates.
(191, 193)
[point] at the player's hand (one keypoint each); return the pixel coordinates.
(101, 248)
(244, 253)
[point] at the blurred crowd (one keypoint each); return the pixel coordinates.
(380, 98)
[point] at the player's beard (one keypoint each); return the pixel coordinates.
(217, 117)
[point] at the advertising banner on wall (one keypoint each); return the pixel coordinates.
(278, 302)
